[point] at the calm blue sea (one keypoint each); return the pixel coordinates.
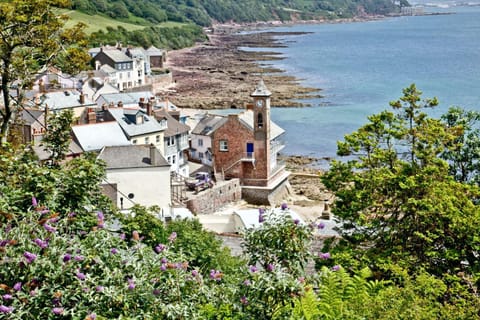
(363, 66)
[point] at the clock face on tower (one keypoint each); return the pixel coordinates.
(259, 103)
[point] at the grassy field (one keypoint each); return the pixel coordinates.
(97, 22)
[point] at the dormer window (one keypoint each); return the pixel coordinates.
(139, 119)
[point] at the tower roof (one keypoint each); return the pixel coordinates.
(261, 90)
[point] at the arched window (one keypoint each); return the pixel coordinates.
(260, 120)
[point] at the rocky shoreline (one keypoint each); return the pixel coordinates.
(217, 74)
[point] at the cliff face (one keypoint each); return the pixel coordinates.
(205, 12)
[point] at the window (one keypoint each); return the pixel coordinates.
(200, 142)
(171, 141)
(147, 140)
(157, 139)
(200, 155)
(223, 145)
(169, 160)
(134, 141)
(173, 159)
(129, 75)
(260, 120)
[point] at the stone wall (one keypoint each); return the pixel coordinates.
(211, 200)
(266, 196)
(159, 82)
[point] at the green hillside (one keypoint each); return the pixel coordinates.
(205, 12)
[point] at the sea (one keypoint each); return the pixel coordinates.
(362, 66)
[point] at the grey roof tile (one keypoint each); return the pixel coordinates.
(132, 156)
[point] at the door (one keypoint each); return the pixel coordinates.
(249, 150)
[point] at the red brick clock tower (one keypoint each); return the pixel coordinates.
(261, 130)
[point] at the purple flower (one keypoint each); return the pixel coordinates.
(81, 276)
(131, 284)
(100, 215)
(122, 236)
(163, 267)
(29, 256)
(195, 273)
(91, 316)
(17, 286)
(159, 248)
(296, 221)
(3, 243)
(336, 267)
(244, 300)
(72, 214)
(42, 244)
(270, 267)
(164, 260)
(284, 206)
(156, 292)
(49, 228)
(114, 251)
(301, 279)
(261, 216)
(67, 257)
(34, 202)
(99, 288)
(57, 311)
(7, 297)
(172, 236)
(247, 283)
(324, 256)
(79, 258)
(5, 309)
(321, 225)
(44, 211)
(253, 269)
(216, 275)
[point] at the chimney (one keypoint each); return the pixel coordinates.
(41, 86)
(249, 106)
(150, 108)
(91, 116)
(82, 98)
(141, 103)
(166, 103)
(153, 151)
(120, 104)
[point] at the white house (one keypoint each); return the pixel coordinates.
(201, 138)
(136, 174)
(138, 126)
(130, 71)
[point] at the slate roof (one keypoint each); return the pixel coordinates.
(247, 118)
(64, 100)
(93, 137)
(261, 90)
(132, 156)
(126, 119)
(153, 51)
(174, 127)
(209, 124)
(30, 116)
(116, 55)
(125, 97)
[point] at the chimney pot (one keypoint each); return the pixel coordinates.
(153, 151)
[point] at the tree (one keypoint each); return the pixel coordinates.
(32, 37)
(396, 199)
(57, 138)
(464, 156)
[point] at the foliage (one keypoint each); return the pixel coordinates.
(464, 155)
(57, 138)
(204, 12)
(279, 240)
(163, 37)
(396, 199)
(32, 37)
